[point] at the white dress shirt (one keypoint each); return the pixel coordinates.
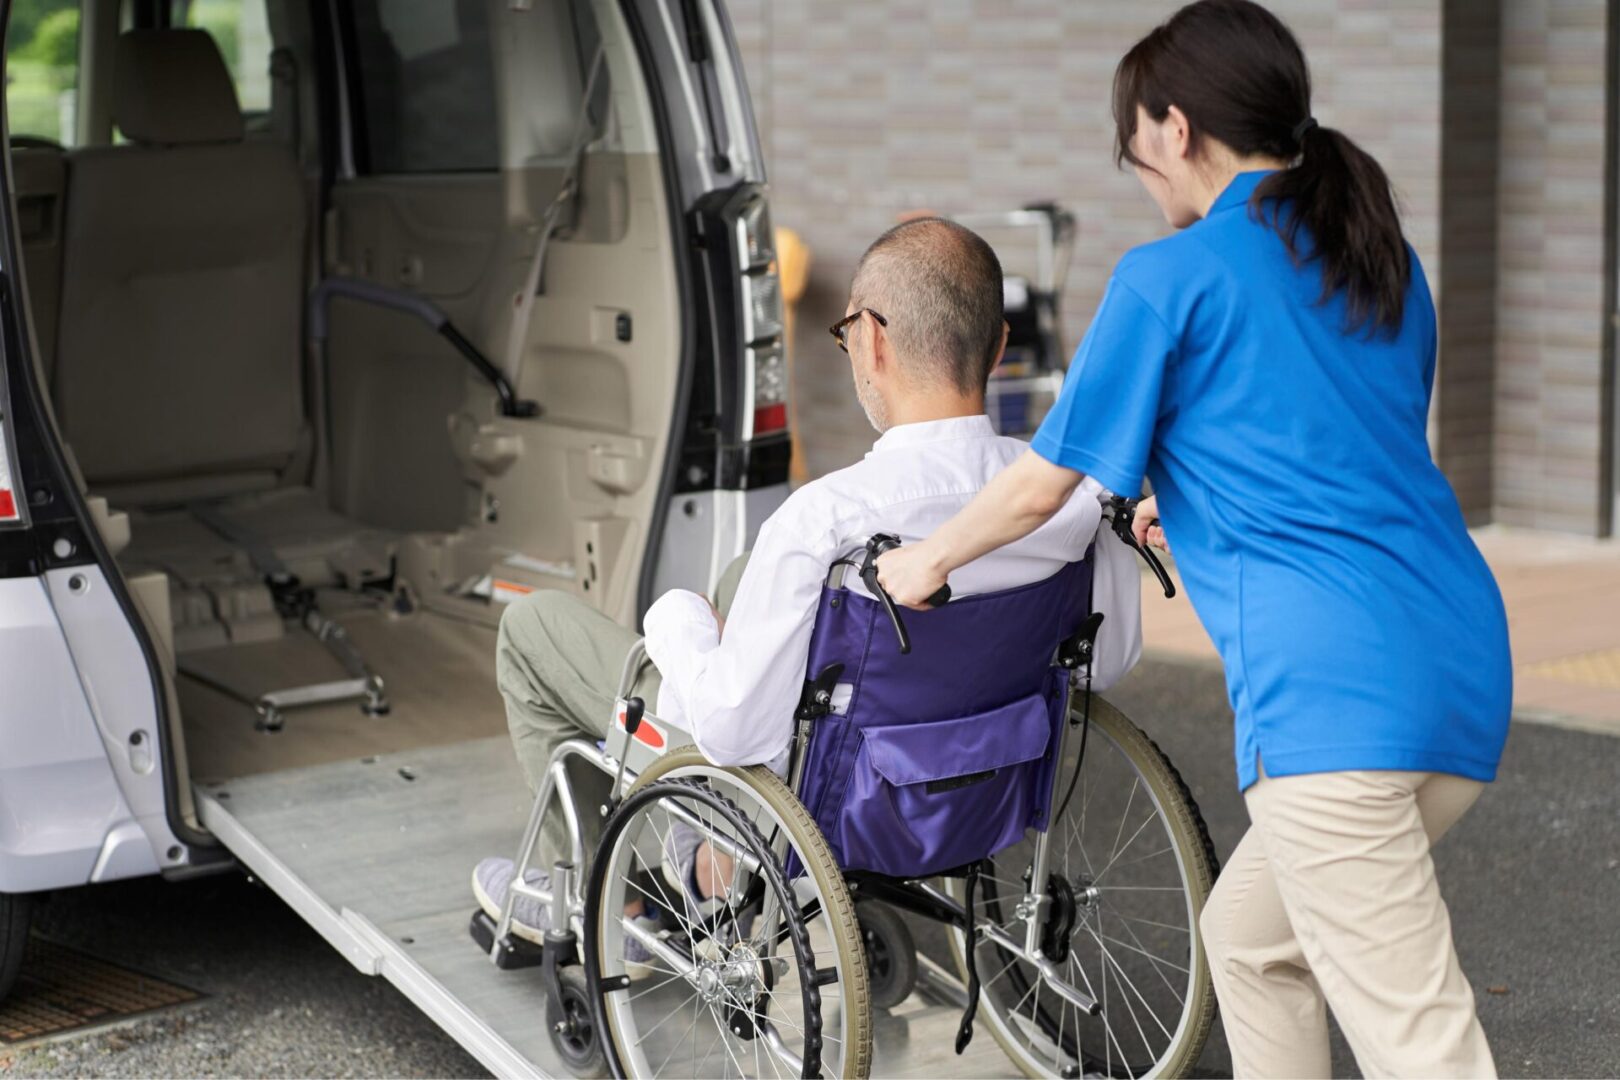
(736, 692)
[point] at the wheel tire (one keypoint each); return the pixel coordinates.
(819, 863)
(1186, 825)
(891, 953)
(580, 1048)
(16, 912)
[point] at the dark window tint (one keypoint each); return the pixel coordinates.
(426, 86)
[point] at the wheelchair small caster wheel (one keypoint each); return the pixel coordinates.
(891, 953)
(572, 1030)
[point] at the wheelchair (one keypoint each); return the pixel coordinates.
(952, 765)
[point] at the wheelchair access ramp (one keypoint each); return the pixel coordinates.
(377, 855)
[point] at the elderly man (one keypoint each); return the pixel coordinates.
(923, 331)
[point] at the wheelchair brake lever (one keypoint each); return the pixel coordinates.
(1123, 517)
(877, 545)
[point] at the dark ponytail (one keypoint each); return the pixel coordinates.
(1239, 76)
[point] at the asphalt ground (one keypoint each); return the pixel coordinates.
(1532, 876)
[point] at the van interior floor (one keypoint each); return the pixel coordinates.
(438, 672)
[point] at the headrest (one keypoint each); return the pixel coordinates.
(171, 87)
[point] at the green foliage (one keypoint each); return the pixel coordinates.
(42, 64)
(27, 15)
(220, 18)
(55, 42)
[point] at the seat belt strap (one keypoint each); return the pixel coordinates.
(549, 223)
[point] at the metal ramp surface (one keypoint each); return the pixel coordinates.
(377, 855)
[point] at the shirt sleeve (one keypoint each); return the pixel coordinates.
(1103, 422)
(736, 690)
(1116, 591)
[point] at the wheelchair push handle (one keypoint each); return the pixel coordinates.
(877, 545)
(1124, 515)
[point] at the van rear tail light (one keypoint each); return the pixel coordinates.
(769, 365)
(763, 320)
(763, 306)
(8, 499)
(755, 240)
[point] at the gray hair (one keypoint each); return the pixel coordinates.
(939, 286)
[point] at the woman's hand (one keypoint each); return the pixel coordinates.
(910, 574)
(1145, 526)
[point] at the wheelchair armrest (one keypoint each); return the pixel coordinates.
(632, 667)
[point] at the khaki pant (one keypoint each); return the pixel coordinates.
(1331, 900)
(557, 663)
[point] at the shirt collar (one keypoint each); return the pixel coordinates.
(1238, 192)
(932, 431)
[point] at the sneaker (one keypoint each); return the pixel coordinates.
(680, 870)
(530, 918)
(491, 880)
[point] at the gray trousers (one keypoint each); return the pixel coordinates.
(557, 664)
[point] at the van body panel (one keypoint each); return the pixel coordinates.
(109, 660)
(60, 801)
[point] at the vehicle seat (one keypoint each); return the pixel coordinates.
(178, 370)
(178, 379)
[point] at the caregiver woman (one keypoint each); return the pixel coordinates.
(1269, 368)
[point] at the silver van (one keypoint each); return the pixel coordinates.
(328, 327)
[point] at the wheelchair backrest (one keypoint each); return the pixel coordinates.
(944, 755)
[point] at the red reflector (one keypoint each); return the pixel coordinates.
(645, 732)
(770, 418)
(8, 505)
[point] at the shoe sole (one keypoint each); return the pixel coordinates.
(493, 910)
(636, 970)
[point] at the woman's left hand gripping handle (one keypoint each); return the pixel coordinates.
(908, 575)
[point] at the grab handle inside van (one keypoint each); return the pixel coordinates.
(369, 292)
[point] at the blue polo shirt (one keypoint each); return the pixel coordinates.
(1324, 551)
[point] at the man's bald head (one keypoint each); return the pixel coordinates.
(939, 286)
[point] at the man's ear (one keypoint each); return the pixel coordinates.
(1001, 349)
(1179, 132)
(882, 351)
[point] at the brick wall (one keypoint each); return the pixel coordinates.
(869, 107)
(1548, 447)
(1470, 143)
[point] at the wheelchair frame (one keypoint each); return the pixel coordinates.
(565, 902)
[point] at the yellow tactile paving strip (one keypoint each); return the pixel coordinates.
(61, 989)
(1600, 668)
(1563, 605)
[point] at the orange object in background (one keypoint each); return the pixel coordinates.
(793, 270)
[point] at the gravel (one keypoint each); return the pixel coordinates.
(282, 1002)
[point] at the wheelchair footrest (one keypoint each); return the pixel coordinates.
(511, 953)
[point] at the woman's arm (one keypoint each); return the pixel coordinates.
(1017, 502)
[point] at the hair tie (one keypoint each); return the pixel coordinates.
(1304, 126)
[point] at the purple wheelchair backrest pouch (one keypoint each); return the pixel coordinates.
(947, 754)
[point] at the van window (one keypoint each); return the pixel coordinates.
(242, 32)
(426, 86)
(42, 69)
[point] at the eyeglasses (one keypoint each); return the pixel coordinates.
(840, 329)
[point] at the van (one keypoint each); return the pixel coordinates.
(327, 328)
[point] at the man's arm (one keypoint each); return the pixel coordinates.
(737, 692)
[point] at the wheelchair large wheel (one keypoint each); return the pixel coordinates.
(756, 972)
(1130, 867)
